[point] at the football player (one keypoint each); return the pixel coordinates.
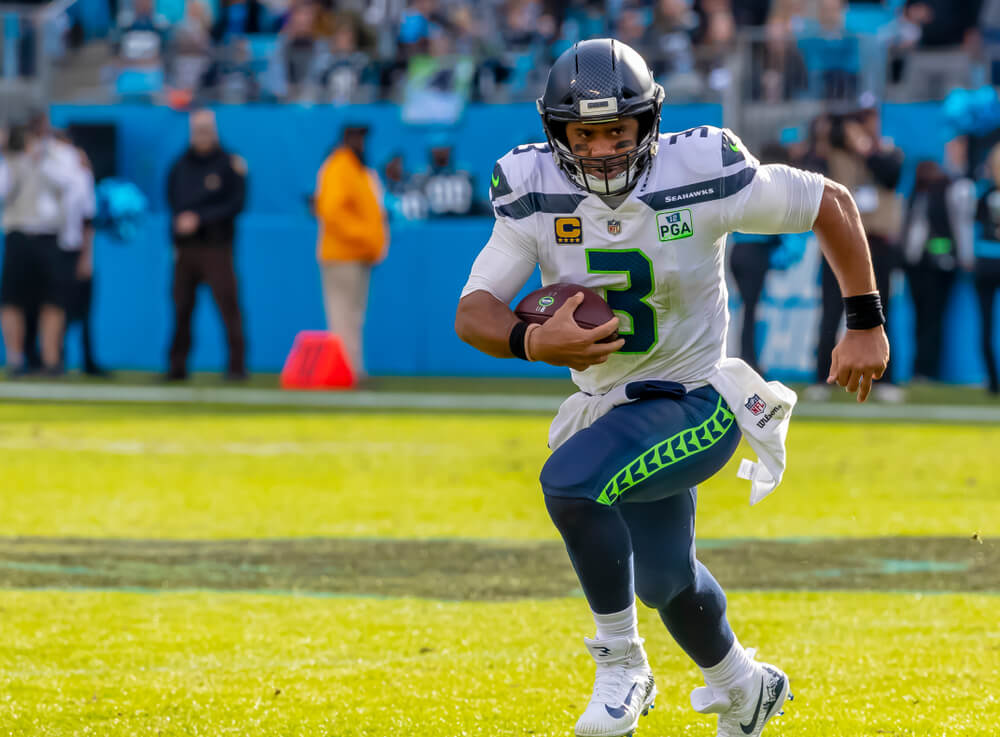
(642, 217)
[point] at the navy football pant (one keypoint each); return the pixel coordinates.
(622, 495)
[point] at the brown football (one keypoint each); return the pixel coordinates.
(541, 304)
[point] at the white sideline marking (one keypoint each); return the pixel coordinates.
(440, 401)
(277, 398)
(48, 441)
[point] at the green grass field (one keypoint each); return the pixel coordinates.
(886, 625)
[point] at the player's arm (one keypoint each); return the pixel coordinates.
(782, 199)
(862, 354)
(485, 321)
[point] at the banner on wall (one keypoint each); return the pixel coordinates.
(437, 89)
(787, 319)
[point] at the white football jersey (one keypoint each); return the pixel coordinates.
(658, 258)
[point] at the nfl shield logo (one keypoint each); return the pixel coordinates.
(614, 227)
(756, 405)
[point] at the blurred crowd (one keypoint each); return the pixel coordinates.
(928, 222)
(925, 232)
(497, 50)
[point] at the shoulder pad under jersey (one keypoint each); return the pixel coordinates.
(526, 181)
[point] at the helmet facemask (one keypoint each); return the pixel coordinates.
(594, 173)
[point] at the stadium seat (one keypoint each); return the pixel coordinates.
(93, 15)
(867, 20)
(262, 46)
(172, 10)
(141, 83)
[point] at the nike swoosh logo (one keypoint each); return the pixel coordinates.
(733, 147)
(749, 728)
(619, 711)
(496, 180)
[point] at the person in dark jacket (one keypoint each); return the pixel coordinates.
(936, 245)
(236, 19)
(749, 262)
(206, 190)
(986, 272)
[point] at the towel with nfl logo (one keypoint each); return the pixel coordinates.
(762, 409)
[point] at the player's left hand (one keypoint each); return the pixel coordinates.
(859, 358)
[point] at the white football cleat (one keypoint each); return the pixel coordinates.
(744, 709)
(623, 688)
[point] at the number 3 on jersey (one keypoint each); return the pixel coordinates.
(631, 298)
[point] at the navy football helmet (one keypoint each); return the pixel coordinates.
(600, 81)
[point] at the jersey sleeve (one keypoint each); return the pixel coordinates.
(510, 256)
(769, 199)
(780, 199)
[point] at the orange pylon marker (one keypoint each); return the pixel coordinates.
(317, 361)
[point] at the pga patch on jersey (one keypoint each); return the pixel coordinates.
(674, 224)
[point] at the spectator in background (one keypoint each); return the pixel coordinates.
(935, 245)
(415, 27)
(943, 23)
(674, 27)
(236, 18)
(831, 57)
(294, 65)
(933, 28)
(987, 266)
(814, 155)
(520, 23)
(36, 172)
(870, 166)
(140, 46)
(206, 190)
(403, 201)
(352, 238)
(449, 191)
(716, 29)
(191, 48)
(751, 13)
(783, 73)
(749, 262)
(468, 30)
(76, 241)
(233, 78)
(343, 68)
(141, 39)
(635, 30)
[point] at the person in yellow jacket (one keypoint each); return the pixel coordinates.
(353, 236)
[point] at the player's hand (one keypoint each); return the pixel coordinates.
(859, 358)
(561, 342)
(186, 223)
(84, 267)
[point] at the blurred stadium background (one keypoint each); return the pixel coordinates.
(462, 77)
(215, 559)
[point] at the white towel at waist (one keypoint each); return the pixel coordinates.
(762, 410)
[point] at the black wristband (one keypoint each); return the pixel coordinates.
(864, 311)
(516, 340)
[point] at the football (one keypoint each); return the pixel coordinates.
(541, 304)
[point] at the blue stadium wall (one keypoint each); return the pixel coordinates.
(413, 294)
